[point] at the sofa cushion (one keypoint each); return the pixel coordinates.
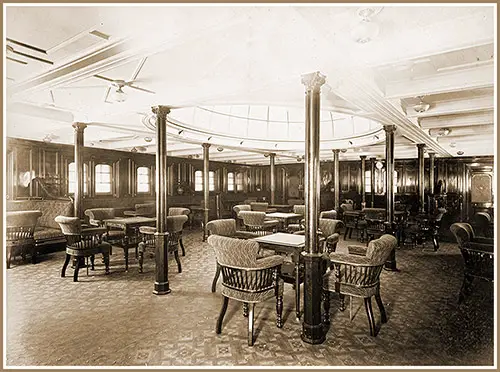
(48, 233)
(50, 210)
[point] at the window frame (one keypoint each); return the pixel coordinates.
(96, 182)
(146, 176)
(85, 179)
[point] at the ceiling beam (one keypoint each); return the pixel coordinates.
(464, 120)
(460, 106)
(473, 78)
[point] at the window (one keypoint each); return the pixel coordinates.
(239, 182)
(368, 181)
(230, 181)
(211, 181)
(143, 179)
(198, 181)
(102, 179)
(72, 178)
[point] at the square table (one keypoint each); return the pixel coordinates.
(284, 218)
(287, 243)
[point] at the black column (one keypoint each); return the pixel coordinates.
(312, 328)
(372, 181)
(362, 184)
(78, 206)
(206, 188)
(336, 180)
(421, 169)
(272, 176)
(161, 286)
(389, 182)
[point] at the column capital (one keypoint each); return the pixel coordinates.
(79, 126)
(161, 111)
(420, 145)
(389, 128)
(205, 145)
(313, 80)
(336, 151)
(362, 157)
(272, 154)
(432, 154)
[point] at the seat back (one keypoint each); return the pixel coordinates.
(374, 213)
(176, 223)
(329, 214)
(234, 252)
(329, 227)
(299, 209)
(241, 207)
(222, 227)
(146, 209)
(71, 228)
(462, 232)
(177, 211)
(378, 250)
(350, 219)
(99, 214)
(259, 206)
(253, 218)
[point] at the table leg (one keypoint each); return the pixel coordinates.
(297, 290)
(125, 251)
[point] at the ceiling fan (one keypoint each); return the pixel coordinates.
(119, 95)
(10, 51)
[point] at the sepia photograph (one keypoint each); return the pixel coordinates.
(249, 185)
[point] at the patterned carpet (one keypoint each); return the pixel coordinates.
(115, 320)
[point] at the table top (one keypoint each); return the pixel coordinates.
(283, 215)
(280, 206)
(130, 220)
(283, 239)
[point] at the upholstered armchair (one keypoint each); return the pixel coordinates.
(257, 222)
(96, 218)
(331, 231)
(175, 225)
(298, 209)
(145, 209)
(237, 209)
(179, 211)
(482, 222)
(374, 219)
(478, 254)
(246, 278)
(20, 234)
(226, 227)
(82, 243)
(357, 275)
(261, 207)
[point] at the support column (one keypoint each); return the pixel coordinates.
(78, 206)
(206, 190)
(421, 169)
(389, 182)
(362, 184)
(372, 181)
(273, 176)
(336, 180)
(161, 286)
(432, 156)
(312, 327)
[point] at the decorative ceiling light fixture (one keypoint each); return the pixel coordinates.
(379, 164)
(148, 139)
(421, 106)
(460, 152)
(453, 144)
(343, 150)
(220, 149)
(119, 95)
(366, 30)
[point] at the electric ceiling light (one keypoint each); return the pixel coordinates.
(343, 150)
(379, 165)
(421, 106)
(148, 139)
(220, 149)
(119, 95)
(365, 30)
(460, 152)
(453, 144)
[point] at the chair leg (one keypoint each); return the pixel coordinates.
(216, 277)
(350, 232)
(92, 261)
(65, 265)
(178, 260)
(77, 267)
(33, 255)
(125, 251)
(141, 248)
(342, 302)
(371, 318)
(326, 307)
(250, 324)
(345, 232)
(279, 311)
(218, 327)
(182, 247)
(381, 307)
(245, 309)
(9, 256)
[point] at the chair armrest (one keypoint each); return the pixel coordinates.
(269, 261)
(357, 250)
(332, 239)
(96, 222)
(240, 234)
(350, 260)
(300, 232)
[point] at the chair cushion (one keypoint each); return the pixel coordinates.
(47, 233)
(147, 229)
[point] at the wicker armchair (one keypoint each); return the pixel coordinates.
(257, 222)
(478, 254)
(175, 225)
(246, 278)
(298, 209)
(179, 211)
(82, 243)
(20, 234)
(358, 276)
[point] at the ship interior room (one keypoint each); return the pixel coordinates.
(248, 185)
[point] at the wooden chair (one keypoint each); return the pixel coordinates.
(175, 225)
(298, 209)
(374, 223)
(257, 222)
(226, 227)
(237, 209)
(246, 278)
(82, 243)
(478, 254)
(357, 275)
(20, 234)
(179, 211)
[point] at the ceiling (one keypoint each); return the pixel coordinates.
(211, 63)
